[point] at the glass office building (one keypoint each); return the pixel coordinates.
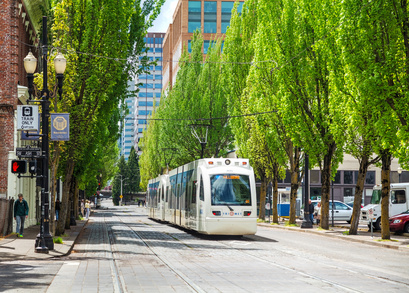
(150, 87)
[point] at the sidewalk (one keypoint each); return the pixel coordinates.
(13, 248)
(397, 241)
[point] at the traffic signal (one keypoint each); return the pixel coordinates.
(18, 166)
(32, 167)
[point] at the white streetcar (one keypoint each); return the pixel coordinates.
(210, 196)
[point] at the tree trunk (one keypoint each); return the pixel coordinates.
(275, 192)
(359, 188)
(263, 193)
(54, 159)
(60, 228)
(70, 203)
(295, 183)
(76, 196)
(325, 186)
(385, 177)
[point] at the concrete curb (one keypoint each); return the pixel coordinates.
(338, 235)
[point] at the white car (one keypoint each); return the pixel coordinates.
(342, 212)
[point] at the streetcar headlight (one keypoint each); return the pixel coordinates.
(227, 162)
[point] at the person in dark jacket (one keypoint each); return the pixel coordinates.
(20, 214)
(57, 208)
(311, 210)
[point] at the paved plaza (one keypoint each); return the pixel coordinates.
(121, 250)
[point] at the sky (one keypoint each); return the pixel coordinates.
(161, 24)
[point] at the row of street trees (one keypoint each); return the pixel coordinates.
(321, 78)
(129, 173)
(101, 41)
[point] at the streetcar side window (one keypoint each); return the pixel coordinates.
(194, 192)
(201, 195)
(167, 193)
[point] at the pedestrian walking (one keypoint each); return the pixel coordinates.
(317, 213)
(20, 214)
(87, 206)
(311, 211)
(57, 209)
(82, 208)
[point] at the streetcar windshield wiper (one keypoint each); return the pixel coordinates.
(230, 208)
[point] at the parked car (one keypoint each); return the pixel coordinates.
(351, 204)
(400, 223)
(342, 211)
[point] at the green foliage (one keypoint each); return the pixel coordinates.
(58, 240)
(197, 93)
(133, 173)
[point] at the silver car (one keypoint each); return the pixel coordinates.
(342, 212)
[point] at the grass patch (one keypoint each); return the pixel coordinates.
(65, 235)
(320, 228)
(80, 218)
(261, 221)
(287, 224)
(345, 232)
(274, 224)
(383, 240)
(58, 240)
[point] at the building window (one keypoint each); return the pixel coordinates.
(206, 45)
(370, 177)
(144, 112)
(158, 68)
(158, 50)
(349, 193)
(189, 46)
(210, 17)
(227, 7)
(141, 121)
(315, 176)
(315, 193)
(145, 95)
(348, 177)
(158, 76)
(140, 130)
(337, 179)
(195, 16)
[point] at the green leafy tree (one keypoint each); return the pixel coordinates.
(133, 172)
(95, 82)
(197, 94)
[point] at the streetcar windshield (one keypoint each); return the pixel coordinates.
(230, 189)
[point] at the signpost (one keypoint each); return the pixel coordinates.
(370, 213)
(27, 117)
(28, 152)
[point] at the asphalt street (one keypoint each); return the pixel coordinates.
(122, 250)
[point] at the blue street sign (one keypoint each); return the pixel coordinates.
(60, 126)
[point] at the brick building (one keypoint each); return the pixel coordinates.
(211, 17)
(19, 25)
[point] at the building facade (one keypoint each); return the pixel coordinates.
(19, 26)
(211, 18)
(149, 87)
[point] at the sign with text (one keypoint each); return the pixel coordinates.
(27, 117)
(28, 152)
(60, 126)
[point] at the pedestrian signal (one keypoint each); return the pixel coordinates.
(32, 167)
(18, 166)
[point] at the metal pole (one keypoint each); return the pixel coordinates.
(203, 147)
(306, 222)
(332, 195)
(121, 192)
(44, 241)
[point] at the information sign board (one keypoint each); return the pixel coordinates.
(27, 117)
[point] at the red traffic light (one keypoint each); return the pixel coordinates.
(18, 166)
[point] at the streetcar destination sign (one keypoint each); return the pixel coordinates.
(28, 152)
(27, 117)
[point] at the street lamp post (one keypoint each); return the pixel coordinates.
(399, 172)
(122, 180)
(44, 240)
(306, 223)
